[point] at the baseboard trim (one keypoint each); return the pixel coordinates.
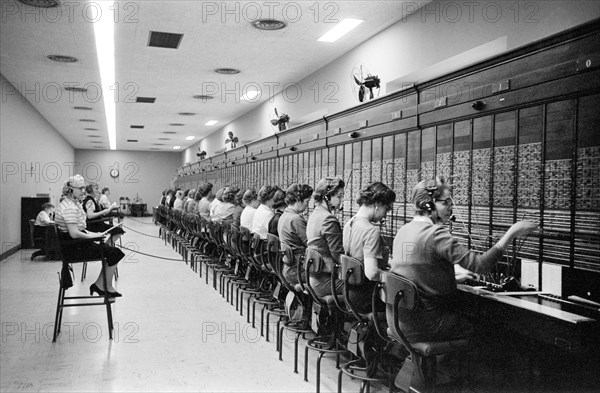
(9, 252)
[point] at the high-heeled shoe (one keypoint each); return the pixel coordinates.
(114, 294)
(94, 288)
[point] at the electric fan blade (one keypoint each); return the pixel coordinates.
(371, 91)
(276, 114)
(361, 93)
(274, 122)
(356, 80)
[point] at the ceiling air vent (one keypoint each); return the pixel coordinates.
(187, 113)
(161, 39)
(77, 89)
(83, 108)
(93, 136)
(137, 126)
(169, 132)
(269, 24)
(96, 142)
(148, 100)
(158, 144)
(132, 140)
(90, 129)
(41, 3)
(176, 124)
(63, 59)
(164, 139)
(203, 97)
(88, 120)
(227, 71)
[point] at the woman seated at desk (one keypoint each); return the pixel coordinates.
(96, 214)
(425, 252)
(71, 221)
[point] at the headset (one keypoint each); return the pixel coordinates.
(430, 186)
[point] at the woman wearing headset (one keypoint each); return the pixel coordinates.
(324, 233)
(362, 240)
(71, 221)
(94, 211)
(425, 252)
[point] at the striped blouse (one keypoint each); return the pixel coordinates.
(69, 212)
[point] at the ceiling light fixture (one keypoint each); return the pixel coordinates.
(211, 122)
(190, 138)
(340, 30)
(176, 147)
(269, 24)
(63, 59)
(186, 113)
(250, 95)
(104, 32)
(227, 71)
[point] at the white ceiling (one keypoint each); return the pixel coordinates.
(215, 34)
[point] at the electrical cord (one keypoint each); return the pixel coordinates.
(141, 233)
(149, 255)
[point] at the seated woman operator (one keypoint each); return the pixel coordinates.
(362, 240)
(425, 252)
(291, 227)
(94, 212)
(71, 221)
(324, 233)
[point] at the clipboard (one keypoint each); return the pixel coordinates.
(111, 228)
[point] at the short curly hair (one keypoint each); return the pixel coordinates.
(266, 193)
(239, 197)
(249, 196)
(426, 192)
(327, 187)
(279, 199)
(205, 189)
(376, 192)
(229, 194)
(297, 192)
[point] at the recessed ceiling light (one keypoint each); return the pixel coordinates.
(211, 122)
(169, 132)
(227, 71)
(63, 59)
(269, 24)
(187, 113)
(340, 30)
(203, 97)
(176, 124)
(176, 147)
(83, 108)
(190, 138)
(76, 89)
(250, 95)
(88, 120)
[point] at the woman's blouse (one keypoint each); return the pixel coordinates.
(363, 240)
(247, 217)
(325, 235)
(260, 221)
(224, 212)
(292, 230)
(43, 219)
(69, 212)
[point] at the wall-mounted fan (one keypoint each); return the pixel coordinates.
(201, 154)
(279, 120)
(362, 80)
(232, 140)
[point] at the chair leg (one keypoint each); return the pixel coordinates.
(83, 271)
(59, 307)
(107, 301)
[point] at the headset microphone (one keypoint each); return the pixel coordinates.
(452, 218)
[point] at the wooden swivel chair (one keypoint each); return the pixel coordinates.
(36, 241)
(419, 370)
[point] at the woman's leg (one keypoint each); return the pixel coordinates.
(110, 272)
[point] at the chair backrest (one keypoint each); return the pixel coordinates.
(313, 258)
(399, 292)
(352, 270)
(65, 241)
(31, 230)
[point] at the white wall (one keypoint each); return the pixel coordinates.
(27, 141)
(142, 174)
(437, 32)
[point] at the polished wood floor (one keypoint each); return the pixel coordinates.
(172, 332)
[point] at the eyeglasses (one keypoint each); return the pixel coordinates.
(445, 202)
